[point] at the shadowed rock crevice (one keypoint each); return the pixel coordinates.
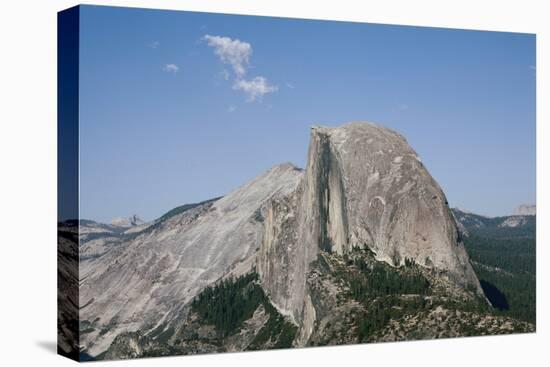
(331, 195)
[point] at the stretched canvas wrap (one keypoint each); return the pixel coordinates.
(232, 183)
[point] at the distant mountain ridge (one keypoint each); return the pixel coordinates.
(470, 223)
(503, 253)
(131, 221)
(526, 209)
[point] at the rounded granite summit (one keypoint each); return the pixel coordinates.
(363, 186)
(387, 198)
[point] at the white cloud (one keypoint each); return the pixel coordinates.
(237, 53)
(231, 51)
(154, 44)
(255, 88)
(225, 74)
(171, 68)
(289, 85)
(231, 109)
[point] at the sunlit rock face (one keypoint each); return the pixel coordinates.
(526, 209)
(363, 186)
(148, 278)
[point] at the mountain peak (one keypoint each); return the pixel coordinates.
(364, 186)
(132, 221)
(285, 166)
(526, 209)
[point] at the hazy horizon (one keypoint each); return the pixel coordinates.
(180, 107)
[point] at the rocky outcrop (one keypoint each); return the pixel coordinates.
(526, 209)
(514, 221)
(148, 278)
(363, 186)
(131, 221)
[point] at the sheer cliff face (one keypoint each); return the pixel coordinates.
(363, 186)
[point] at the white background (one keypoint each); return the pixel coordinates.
(28, 182)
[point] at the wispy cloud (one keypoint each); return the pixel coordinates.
(403, 107)
(171, 68)
(224, 74)
(231, 51)
(255, 89)
(237, 54)
(231, 109)
(289, 85)
(154, 44)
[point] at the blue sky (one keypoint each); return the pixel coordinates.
(179, 107)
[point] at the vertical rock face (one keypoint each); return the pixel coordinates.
(363, 186)
(327, 201)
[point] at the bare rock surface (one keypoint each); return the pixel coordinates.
(526, 209)
(148, 279)
(363, 186)
(132, 221)
(514, 221)
(388, 201)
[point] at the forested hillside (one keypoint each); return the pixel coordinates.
(503, 254)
